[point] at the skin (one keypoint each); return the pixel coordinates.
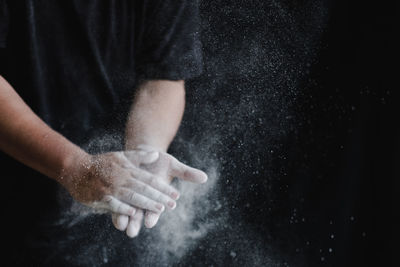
(154, 119)
(113, 181)
(165, 167)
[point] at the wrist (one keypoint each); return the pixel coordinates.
(75, 166)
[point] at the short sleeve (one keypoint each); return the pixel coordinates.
(3, 23)
(168, 39)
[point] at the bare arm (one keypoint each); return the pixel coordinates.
(154, 119)
(111, 181)
(156, 114)
(24, 136)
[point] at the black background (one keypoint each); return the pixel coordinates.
(300, 97)
(296, 105)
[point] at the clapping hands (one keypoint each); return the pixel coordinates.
(130, 185)
(165, 168)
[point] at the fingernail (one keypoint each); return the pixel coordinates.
(160, 207)
(172, 204)
(175, 195)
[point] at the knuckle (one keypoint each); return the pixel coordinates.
(120, 207)
(147, 189)
(141, 187)
(126, 184)
(132, 196)
(134, 171)
(154, 181)
(185, 173)
(141, 153)
(169, 157)
(143, 176)
(107, 199)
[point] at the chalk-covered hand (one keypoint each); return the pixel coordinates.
(165, 168)
(114, 182)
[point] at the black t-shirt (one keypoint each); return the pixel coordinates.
(76, 64)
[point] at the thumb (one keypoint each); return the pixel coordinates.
(187, 173)
(141, 157)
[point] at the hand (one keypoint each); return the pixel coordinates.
(165, 167)
(114, 182)
(132, 224)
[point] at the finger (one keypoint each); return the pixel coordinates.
(155, 182)
(116, 206)
(141, 157)
(150, 192)
(135, 199)
(151, 219)
(146, 147)
(120, 221)
(134, 224)
(187, 173)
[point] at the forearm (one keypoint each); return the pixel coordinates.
(24, 136)
(156, 114)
